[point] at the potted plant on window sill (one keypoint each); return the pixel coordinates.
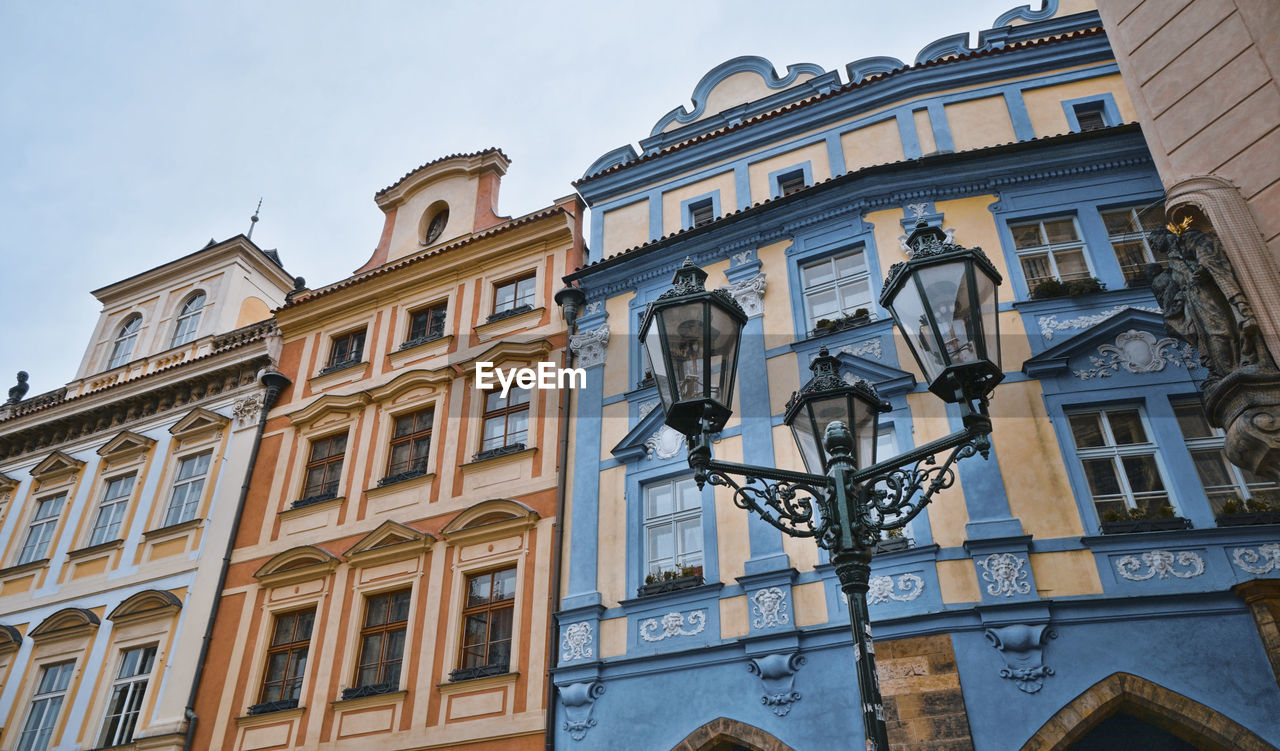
(860, 317)
(1051, 288)
(683, 577)
(1238, 513)
(893, 541)
(1138, 520)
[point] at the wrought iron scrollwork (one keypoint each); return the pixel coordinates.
(788, 506)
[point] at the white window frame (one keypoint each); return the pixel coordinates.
(134, 690)
(834, 284)
(46, 525)
(190, 487)
(1142, 236)
(1048, 249)
(1216, 440)
(671, 521)
(188, 321)
(1116, 452)
(125, 340)
(111, 510)
(36, 737)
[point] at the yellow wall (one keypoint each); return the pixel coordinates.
(672, 217)
(958, 581)
(815, 154)
(611, 555)
(947, 512)
(874, 144)
(1067, 573)
(979, 122)
(1044, 105)
(625, 227)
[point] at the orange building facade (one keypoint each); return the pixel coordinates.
(390, 581)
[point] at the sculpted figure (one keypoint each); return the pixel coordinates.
(20, 390)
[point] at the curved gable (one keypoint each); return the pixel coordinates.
(65, 622)
(499, 516)
(307, 560)
(734, 82)
(145, 604)
(10, 638)
(329, 403)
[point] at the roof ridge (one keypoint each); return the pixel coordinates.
(459, 155)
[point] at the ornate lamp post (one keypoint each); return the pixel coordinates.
(944, 301)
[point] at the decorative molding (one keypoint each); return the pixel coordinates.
(1005, 573)
(594, 307)
(749, 293)
(882, 589)
(673, 624)
(777, 677)
(665, 443)
(742, 257)
(1261, 560)
(645, 407)
(590, 345)
(578, 700)
(1051, 324)
(770, 607)
(918, 210)
(1139, 352)
(1160, 563)
(869, 347)
(1022, 649)
(245, 411)
(576, 642)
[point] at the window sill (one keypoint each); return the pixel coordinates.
(676, 597)
(419, 349)
(312, 507)
(670, 585)
(173, 530)
(391, 484)
(1248, 518)
(314, 500)
(332, 376)
(399, 477)
(492, 329)
(893, 545)
(490, 461)
(499, 451)
(102, 547)
(381, 691)
(1145, 525)
(274, 707)
(509, 313)
(23, 568)
(267, 717)
(474, 678)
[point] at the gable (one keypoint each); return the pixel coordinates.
(386, 536)
(146, 604)
(305, 562)
(126, 443)
(56, 465)
(198, 421)
(66, 622)
(1129, 348)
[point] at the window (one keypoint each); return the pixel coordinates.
(45, 705)
(791, 182)
(506, 420)
(1089, 116)
(672, 526)
(36, 546)
(1128, 229)
(410, 444)
(487, 624)
(836, 287)
(324, 468)
(1050, 249)
(187, 487)
(111, 511)
(286, 661)
(386, 618)
(1119, 462)
(347, 350)
(1222, 480)
(514, 296)
(126, 696)
(123, 347)
(702, 212)
(436, 227)
(425, 325)
(188, 320)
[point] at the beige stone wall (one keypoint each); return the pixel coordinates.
(923, 706)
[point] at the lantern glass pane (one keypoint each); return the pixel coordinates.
(807, 442)
(945, 286)
(908, 308)
(725, 333)
(658, 366)
(990, 317)
(864, 433)
(684, 328)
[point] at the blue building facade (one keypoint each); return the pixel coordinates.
(1097, 579)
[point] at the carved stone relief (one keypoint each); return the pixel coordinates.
(769, 606)
(578, 700)
(589, 346)
(673, 625)
(1160, 564)
(882, 589)
(750, 294)
(777, 677)
(1137, 352)
(576, 642)
(1005, 574)
(665, 443)
(1022, 648)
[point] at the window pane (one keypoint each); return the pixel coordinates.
(1087, 430)
(1143, 475)
(658, 500)
(1071, 264)
(851, 264)
(690, 496)
(517, 396)
(399, 608)
(1060, 230)
(504, 585)
(855, 295)
(1192, 420)
(1026, 236)
(1101, 474)
(690, 532)
(823, 304)
(476, 630)
(661, 545)
(1036, 268)
(478, 588)
(818, 273)
(500, 624)
(1126, 427)
(1132, 256)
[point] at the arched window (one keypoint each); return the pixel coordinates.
(188, 320)
(123, 348)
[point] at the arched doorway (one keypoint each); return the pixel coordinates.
(723, 734)
(1146, 710)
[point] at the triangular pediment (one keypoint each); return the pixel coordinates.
(68, 621)
(197, 422)
(387, 536)
(305, 561)
(56, 465)
(634, 445)
(1132, 341)
(126, 443)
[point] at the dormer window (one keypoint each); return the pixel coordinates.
(188, 320)
(122, 350)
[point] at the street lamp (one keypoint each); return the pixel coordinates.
(944, 301)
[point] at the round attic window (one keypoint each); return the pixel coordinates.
(436, 226)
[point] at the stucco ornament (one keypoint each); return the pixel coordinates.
(1261, 560)
(869, 347)
(593, 307)
(576, 642)
(645, 407)
(1005, 573)
(1137, 352)
(1022, 648)
(1160, 563)
(245, 411)
(589, 346)
(881, 589)
(665, 443)
(770, 608)
(1050, 324)
(742, 257)
(578, 700)
(750, 294)
(673, 624)
(777, 676)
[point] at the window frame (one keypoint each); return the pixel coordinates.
(1104, 103)
(1141, 235)
(128, 683)
(1116, 452)
(487, 667)
(1048, 248)
(392, 474)
(41, 699)
(412, 341)
(306, 497)
(810, 321)
(505, 412)
(333, 363)
(185, 483)
(1241, 488)
(672, 521)
(117, 504)
(502, 310)
(777, 178)
(387, 627)
(181, 337)
(49, 522)
(124, 342)
(289, 648)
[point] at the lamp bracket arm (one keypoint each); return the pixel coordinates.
(750, 471)
(786, 506)
(975, 434)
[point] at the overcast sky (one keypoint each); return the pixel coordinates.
(133, 132)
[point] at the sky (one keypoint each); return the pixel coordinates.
(132, 133)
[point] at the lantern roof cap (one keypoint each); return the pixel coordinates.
(929, 246)
(827, 380)
(690, 280)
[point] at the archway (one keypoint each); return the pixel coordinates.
(1149, 703)
(723, 734)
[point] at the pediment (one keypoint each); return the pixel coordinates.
(10, 638)
(66, 622)
(388, 536)
(647, 435)
(523, 352)
(198, 422)
(146, 604)
(7, 482)
(1132, 341)
(330, 409)
(427, 380)
(495, 517)
(56, 465)
(126, 443)
(305, 561)
(888, 380)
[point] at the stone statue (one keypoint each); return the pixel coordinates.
(1204, 306)
(20, 390)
